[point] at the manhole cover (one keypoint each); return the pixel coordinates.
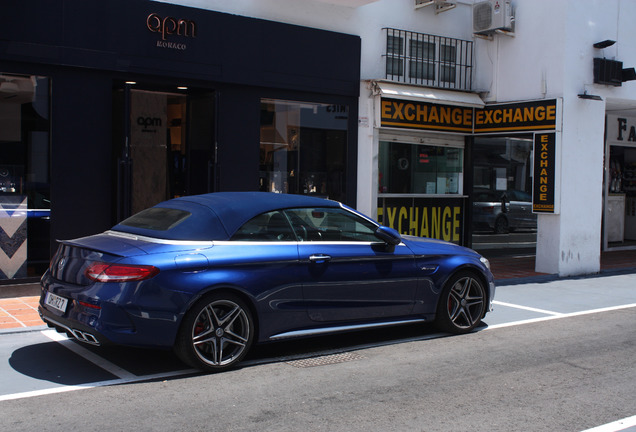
(325, 360)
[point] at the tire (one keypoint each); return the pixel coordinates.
(501, 225)
(216, 333)
(462, 304)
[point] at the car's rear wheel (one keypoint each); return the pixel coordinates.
(216, 333)
(462, 304)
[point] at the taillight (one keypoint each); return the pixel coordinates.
(105, 272)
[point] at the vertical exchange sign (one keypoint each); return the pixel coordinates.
(544, 169)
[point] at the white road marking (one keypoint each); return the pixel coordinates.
(65, 389)
(566, 315)
(130, 378)
(88, 355)
(543, 311)
(616, 426)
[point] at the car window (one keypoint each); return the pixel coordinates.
(270, 226)
(330, 224)
(157, 218)
(520, 196)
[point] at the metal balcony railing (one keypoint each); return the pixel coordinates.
(434, 61)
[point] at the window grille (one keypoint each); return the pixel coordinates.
(435, 61)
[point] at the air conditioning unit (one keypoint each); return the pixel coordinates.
(492, 15)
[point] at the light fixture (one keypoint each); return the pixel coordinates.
(182, 88)
(628, 74)
(604, 44)
(423, 3)
(584, 95)
(443, 7)
(131, 82)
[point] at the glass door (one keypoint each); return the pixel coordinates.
(166, 148)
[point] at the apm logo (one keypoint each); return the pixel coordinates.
(171, 26)
(149, 124)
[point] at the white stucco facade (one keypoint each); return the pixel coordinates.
(550, 56)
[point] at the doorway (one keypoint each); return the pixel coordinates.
(165, 148)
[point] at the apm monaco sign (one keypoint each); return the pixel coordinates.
(169, 27)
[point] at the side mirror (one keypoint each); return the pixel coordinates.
(388, 235)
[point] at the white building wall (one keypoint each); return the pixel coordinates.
(550, 56)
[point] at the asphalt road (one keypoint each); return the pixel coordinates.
(556, 356)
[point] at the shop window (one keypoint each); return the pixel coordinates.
(502, 188)
(24, 176)
(420, 169)
(303, 148)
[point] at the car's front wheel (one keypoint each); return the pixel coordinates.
(462, 304)
(216, 333)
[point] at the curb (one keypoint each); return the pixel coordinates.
(17, 330)
(20, 290)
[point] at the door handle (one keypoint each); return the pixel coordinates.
(319, 258)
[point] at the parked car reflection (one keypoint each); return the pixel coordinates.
(503, 211)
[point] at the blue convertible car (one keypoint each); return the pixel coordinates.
(210, 275)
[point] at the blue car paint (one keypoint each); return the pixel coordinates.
(285, 290)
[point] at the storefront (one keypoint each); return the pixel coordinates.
(421, 159)
(456, 170)
(99, 119)
(619, 228)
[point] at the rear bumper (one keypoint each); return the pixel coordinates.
(107, 322)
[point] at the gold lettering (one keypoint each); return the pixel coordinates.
(507, 115)
(456, 214)
(398, 110)
(391, 213)
(386, 109)
(551, 114)
(539, 113)
(436, 223)
(457, 116)
(445, 115)
(446, 226)
(424, 228)
(421, 113)
(468, 117)
(528, 114)
(408, 112)
(413, 221)
(433, 116)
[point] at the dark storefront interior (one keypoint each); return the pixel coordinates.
(87, 149)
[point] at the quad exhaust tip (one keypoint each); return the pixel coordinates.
(80, 335)
(84, 337)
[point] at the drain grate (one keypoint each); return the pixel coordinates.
(324, 360)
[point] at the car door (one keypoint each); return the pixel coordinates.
(520, 212)
(347, 273)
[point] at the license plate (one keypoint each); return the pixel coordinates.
(55, 301)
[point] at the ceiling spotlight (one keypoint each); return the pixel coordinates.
(604, 44)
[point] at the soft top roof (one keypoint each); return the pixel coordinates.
(216, 216)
